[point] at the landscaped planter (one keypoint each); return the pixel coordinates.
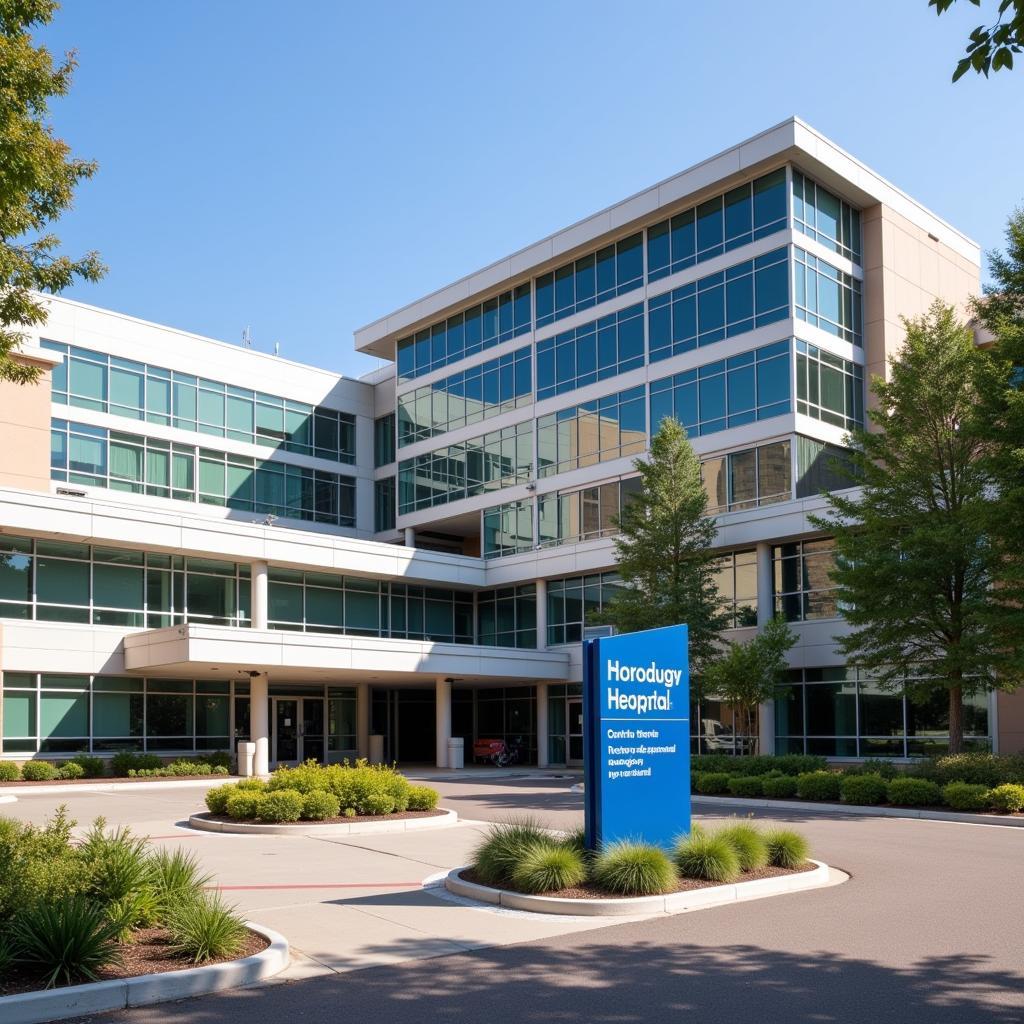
(407, 821)
(144, 989)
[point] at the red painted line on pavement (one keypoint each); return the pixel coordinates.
(325, 885)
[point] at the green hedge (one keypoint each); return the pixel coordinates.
(863, 789)
(761, 764)
(818, 786)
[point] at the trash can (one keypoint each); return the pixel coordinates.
(246, 757)
(376, 750)
(456, 752)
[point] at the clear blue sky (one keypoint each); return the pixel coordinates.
(306, 168)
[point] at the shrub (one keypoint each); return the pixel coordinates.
(66, 941)
(204, 928)
(71, 770)
(423, 798)
(349, 812)
(377, 803)
(873, 766)
(786, 848)
(244, 804)
(132, 911)
(120, 876)
(252, 785)
(38, 771)
(818, 786)
(504, 846)
(863, 789)
(176, 877)
(94, 767)
(710, 857)
(966, 796)
(748, 843)
(633, 869)
(977, 768)
(749, 786)
(912, 792)
(780, 788)
(305, 778)
(710, 783)
(763, 764)
(320, 804)
(9, 771)
(577, 840)
(547, 867)
(218, 759)
(217, 798)
(1007, 798)
(280, 805)
(124, 760)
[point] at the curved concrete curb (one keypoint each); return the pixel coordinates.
(310, 828)
(1007, 821)
(103, 996)
(114, 787)
(673, 903)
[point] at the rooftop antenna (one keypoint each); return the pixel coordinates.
(247, 338)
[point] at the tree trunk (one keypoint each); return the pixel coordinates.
(956, 719)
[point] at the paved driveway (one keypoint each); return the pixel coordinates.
(930, 928)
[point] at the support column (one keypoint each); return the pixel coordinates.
(410, 537)
(443, 719)
(259, 722)
(542, 615)
(542, 725)
(363, 720)
(259, 595)
(765, 613)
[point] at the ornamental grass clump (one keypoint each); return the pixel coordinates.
(748, 843)
(504, 847)
(863, 789)
(633, 869)
(709, 857)
(176, 877)
(911, 792)
(548, 866)
(204, 928)
(786, 848)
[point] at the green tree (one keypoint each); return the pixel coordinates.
(664, 549)
(920, 579)
(749, 672)
(38, 177)
(991, 47)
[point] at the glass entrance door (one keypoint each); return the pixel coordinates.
(312, 738)
(575, 731)
(286, 730)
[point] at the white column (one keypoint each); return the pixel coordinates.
(542, 615)
(259, 722)
(363, 719)
(765, 613)
(410, 537)
(259, 595)
(443, 719)
(542, 725)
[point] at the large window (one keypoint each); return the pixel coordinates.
(748, 478)
(81, 454)
(105, 383)
(572, 516)
(384, 440)
(726, 393)
(480, 327)
(475, 394)
(822, 467)
(592, 279)
(573, 600)
(826, 218)
(826, 297)
(508, 529)
(384, 504)
(726, 222)
(489, 463)
(829, 388)
(596, 431)
(507, 617)
(802, 581)
(749, 295)
(595, 351)
(736, 579)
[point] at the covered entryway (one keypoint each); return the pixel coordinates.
(297, 730)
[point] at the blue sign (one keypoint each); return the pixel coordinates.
(636, 738)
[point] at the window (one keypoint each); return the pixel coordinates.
(752, 386)
(572, 600)
(726, 222)
(822, 467)
(15, 578)
(591, 280)
(736, 579)
(476, 394)
(749, 295)
(508, 529)
(384, 504)
(826, 218)
(584, 435)
(802, 582)
(572, 516)
(829, 388)
(508, 617)
(384, 440)
(596, 351)
(826, 297)
(748, 478)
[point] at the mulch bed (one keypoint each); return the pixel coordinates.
(588, 891)
(106, 780)
(149, 952)
(340, 820)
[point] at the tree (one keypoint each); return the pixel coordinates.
(664, 549)
(920, 579)
(991, 47)
(749, 673)
(38, 177)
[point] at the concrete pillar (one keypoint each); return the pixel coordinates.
(259, 595)
(259, 722)
(765, 613)
(443, 719)
(542, 615)
(410, 537)
(363, 719)
(542, 725)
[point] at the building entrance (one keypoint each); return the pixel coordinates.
(297, 724)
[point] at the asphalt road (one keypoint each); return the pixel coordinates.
(928, 930)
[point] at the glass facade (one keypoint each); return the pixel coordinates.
(483, 326)
(384, 440)
(573, 599)
(801, 580)
(826, 297)
(749, 295)
(825, 218)
(748, 478)
(97, 457)
(736, 579)
(384, 504)
(838, 712)
(614, 270)
(488, 463)
(584, 435)
(105, 383)
(64, 582)
(507, 617)
(822, 467)
(572, 516)
(475, 394)
(829, 388)
(726, 393)
(726, 222)
(508, 529)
